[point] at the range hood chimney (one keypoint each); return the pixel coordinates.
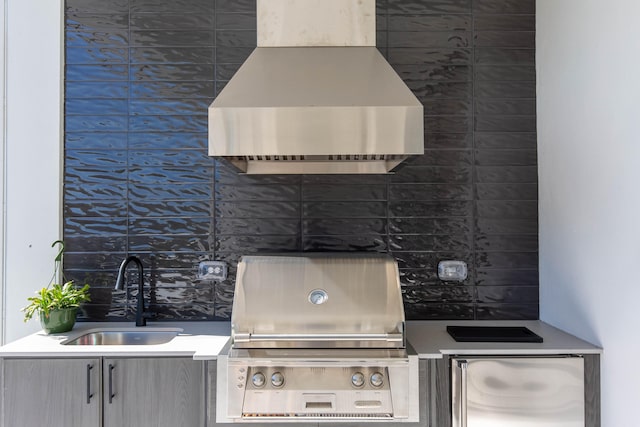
(316, 96)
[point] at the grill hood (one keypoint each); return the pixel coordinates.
(316, 96)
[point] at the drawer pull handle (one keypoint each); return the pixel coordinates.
(111, 393)
(89, 394)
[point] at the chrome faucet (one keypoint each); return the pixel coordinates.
(140, 319)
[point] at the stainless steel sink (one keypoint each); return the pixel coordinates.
(125, 337)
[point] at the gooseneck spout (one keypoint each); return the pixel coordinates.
(140, 319)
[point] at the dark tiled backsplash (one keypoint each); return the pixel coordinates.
(139, 77)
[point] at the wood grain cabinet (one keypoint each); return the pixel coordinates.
(103, 392)
(51, 392)
(154, 392)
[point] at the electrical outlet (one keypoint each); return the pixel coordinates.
(212, 270)
(452, 270)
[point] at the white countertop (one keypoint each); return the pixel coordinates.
(431, 340)
(202, 340)
(205, 340)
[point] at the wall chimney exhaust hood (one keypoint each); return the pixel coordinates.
(316, 96)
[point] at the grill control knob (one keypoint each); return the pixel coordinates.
(258, 379)
(377, 379)
(277, 379)
(357, 379)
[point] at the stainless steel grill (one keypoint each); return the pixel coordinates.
(317, 337)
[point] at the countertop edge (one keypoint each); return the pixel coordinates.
(206, 340)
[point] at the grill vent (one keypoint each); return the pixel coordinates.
(337, 157)
(316, 415)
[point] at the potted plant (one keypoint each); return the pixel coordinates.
(57, 305)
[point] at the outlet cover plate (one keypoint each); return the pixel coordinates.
(212, 270)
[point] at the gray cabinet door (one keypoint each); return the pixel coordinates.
(51, 392)
(159, 392)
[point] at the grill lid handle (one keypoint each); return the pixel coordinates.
(317, 337)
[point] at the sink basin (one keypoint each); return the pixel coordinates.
(125, 337)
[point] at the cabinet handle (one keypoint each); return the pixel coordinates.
(463, 392)
(111, 393)
(89, 394)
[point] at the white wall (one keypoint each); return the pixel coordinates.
(2, 168)
(32, 161)
(588, 60)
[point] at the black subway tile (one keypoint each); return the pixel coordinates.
(96, 6)
(227, 6)
(176, 191)
(170, 175)
(408, 22)
(499, 191)
(506, 226)
(504, 22)
(344, 226)
(171, 21)
(504, 6)
(349, 243)
(431, 226)
(172, 55)
(490, 123)
(437, 209)
(422, 39)
(264, 192)
(236, 38)
(100, 73)
(505, 39)
(506, 174)
(487, 140)
(431, 192)
(506, 73)
(403, 56)
(257, 226)
(433, 174)
(96, 55)
(525, 260)
(164, 38)
(236, 21)
(507, 276)
(84, 89)
(138, 176)
(258, 244)
(429, 6)
(97, 38)
(505, 107)
(161, 6)
(507, 311)
(504, 56)
(98, 106)
(439, 311)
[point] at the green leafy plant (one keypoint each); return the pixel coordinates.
(55, 296)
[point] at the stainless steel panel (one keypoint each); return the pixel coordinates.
(316, 23)
(316, 387)
(518, 392)
(255, 166)
(321, 101)
(274, 303)
(315, 101)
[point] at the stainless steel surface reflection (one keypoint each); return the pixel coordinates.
(320, 338)
(361, 302)
(517, 391)
(125, 338)
(316, 96)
